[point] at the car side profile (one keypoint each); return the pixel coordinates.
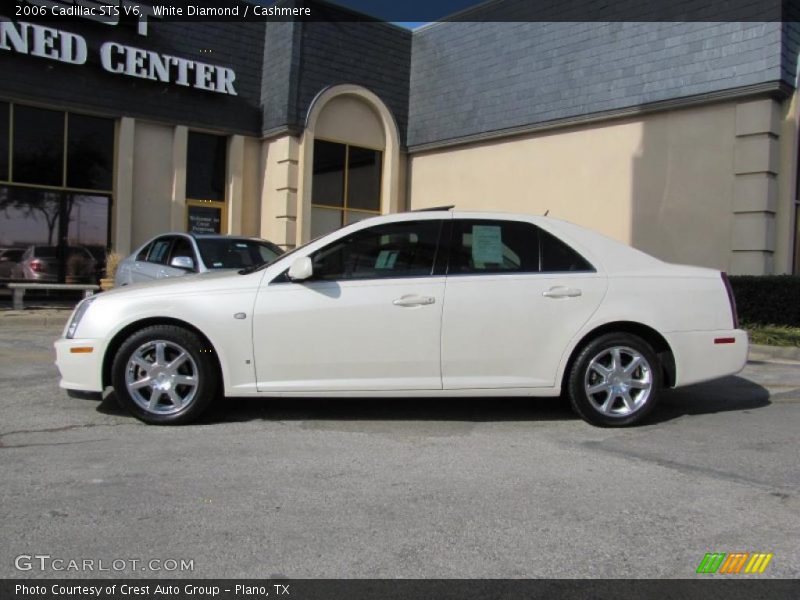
(42, 263)
(424, 304)
(177, 254)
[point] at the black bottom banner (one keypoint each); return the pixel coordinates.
(385, 589)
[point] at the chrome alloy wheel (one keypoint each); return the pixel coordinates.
(618, 381)
(161, 377)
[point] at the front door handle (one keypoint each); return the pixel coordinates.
(414, 300)
(562, 291)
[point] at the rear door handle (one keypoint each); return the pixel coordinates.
(414, 300)
(562, 291)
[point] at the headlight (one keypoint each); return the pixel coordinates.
(77, 315)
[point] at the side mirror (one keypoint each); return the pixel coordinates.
(182, 262)
(301, 269)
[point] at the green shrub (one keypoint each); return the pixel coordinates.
(767, 299)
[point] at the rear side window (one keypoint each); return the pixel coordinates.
(558, 257)
(480, 246)
(491, 246)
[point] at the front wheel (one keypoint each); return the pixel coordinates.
(615, 380)
(165, 375)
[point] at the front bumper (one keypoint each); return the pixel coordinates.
(80, 370)
(705, 355)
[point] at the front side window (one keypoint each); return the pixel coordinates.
(491, 246)
(406, 249)
(159, 251)
(183, 248)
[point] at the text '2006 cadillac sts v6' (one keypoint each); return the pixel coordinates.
(417, 304)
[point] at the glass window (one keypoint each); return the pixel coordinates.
(233, 253)
(4, 141)
(182, 247)
(327, 188)
(205, 166)
(64, 234)
(364, 179)
(324, 220)
(38, 146)
(405, 249)
(159, 250)
(346, 185)
(558, 257)
(487, 246)
(143, 252)
(90, 152)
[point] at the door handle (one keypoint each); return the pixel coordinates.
(414, 300)
(561, 291)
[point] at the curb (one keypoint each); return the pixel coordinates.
(760, 352)
(34, 318)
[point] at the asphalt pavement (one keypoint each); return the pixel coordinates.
(455, 488)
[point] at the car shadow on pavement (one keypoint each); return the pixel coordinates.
(729, 394)
(723, 395)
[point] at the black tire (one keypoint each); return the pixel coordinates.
(623, 403)
(199, 369)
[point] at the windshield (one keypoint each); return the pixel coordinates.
(232, 253)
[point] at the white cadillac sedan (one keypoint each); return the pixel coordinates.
(432, 303)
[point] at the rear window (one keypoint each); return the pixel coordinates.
(223, 253)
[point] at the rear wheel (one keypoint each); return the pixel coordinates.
(615, 380)
(165, 375)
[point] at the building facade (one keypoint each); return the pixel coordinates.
(678, 138)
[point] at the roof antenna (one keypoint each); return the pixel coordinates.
(547, 212)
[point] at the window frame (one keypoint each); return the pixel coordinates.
(344, 209)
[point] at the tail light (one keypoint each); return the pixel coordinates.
(731, 299)
(37, 266)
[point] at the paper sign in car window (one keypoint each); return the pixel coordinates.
(487, 245)
(386, 259)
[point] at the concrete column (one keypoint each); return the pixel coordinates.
(785, 220)
(756, 155)
(279, 190)
(235, 184)
(180, 138)
(122, 208)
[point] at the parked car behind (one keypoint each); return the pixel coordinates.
(416, 305)
(41, 264)
(9, 257)
(176, 254)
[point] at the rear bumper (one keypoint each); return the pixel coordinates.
(705, 355)
(82, 370)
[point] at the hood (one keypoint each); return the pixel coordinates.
(201, 282)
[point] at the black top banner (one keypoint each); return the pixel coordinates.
(381, 589)
(408, 12)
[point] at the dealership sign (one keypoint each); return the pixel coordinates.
(66, 47)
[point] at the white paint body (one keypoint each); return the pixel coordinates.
(474, 335)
